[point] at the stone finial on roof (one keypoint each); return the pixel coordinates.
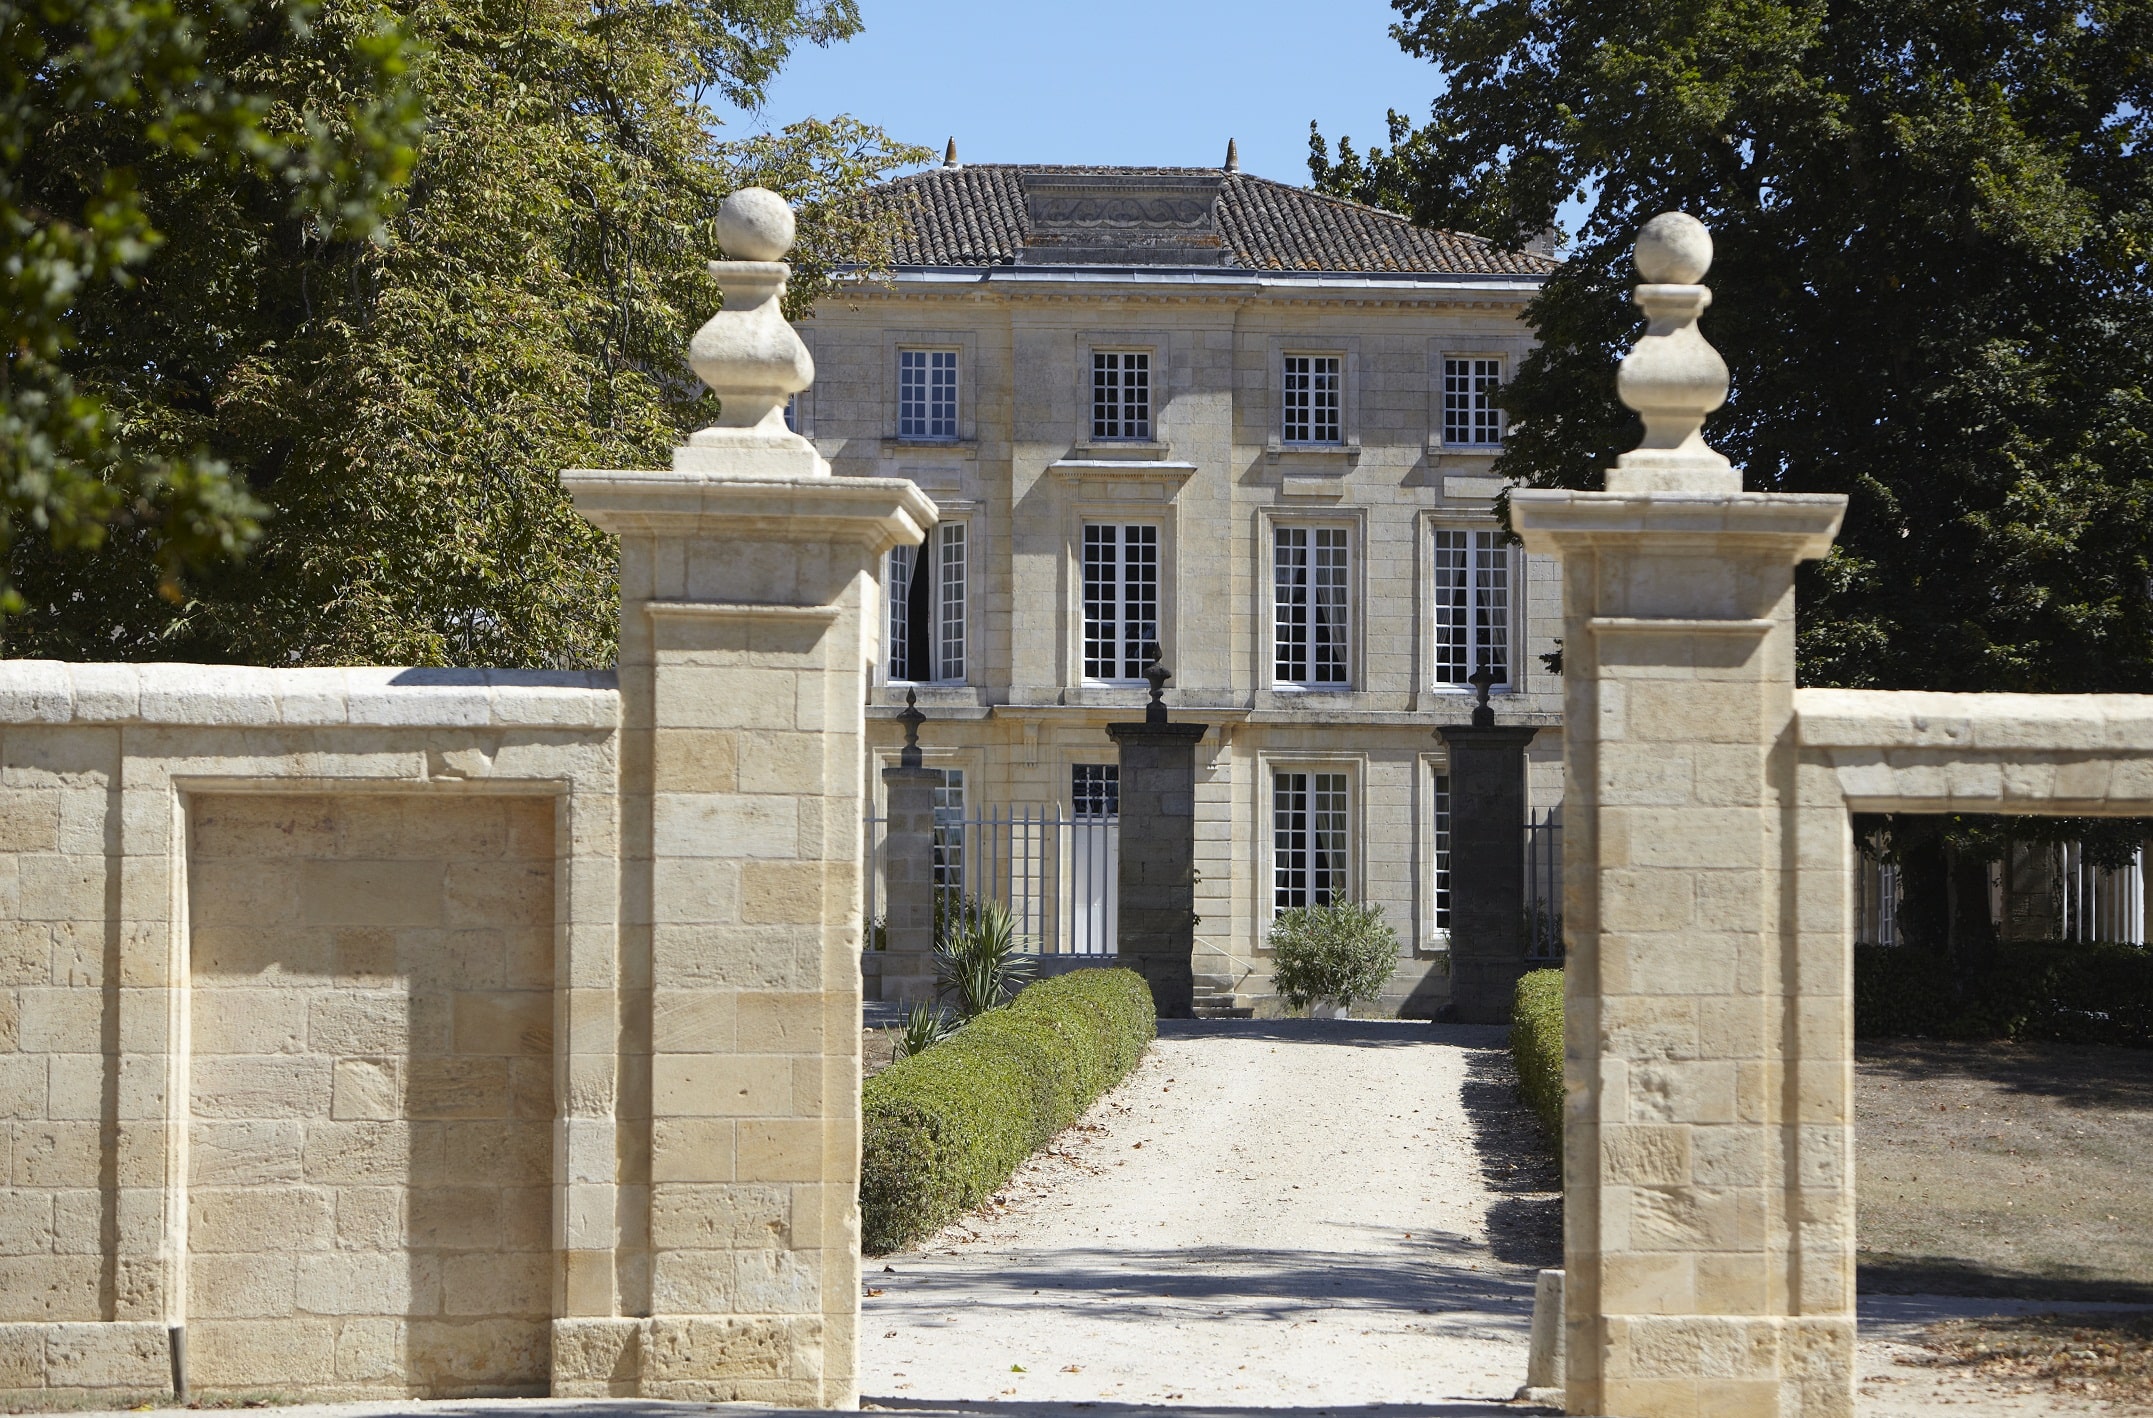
(747, 353)
(949, 154)
(1233, 156)
(1672, 377)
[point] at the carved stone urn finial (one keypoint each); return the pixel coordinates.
(1156, 674)
(1673, 378)
(747, 353)
(1483, 679)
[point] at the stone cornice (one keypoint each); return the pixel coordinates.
(245, 696)
(1552, 522)
(877, 512)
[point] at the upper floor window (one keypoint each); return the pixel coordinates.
(1308, 839)
(1120, 394)
(1472, 605)
(1121, 599)
(1311, 580)
(926, 393)
(1470, 418)
(1311, 388)
(926, 597)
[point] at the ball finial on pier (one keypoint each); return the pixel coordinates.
(754, 224)
(1674, 249)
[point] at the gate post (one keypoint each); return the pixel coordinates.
(1487, 861)
(1157, 888)
(1708, 1217)
(747, 578)
(908, 870)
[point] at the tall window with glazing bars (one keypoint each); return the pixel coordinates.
(926, 593)
(1120, 394)
(1311, 587)
(1310, 384)
(1472, 605)
(1308, 839)
(1121, 599)
(1470, 418)
(926, 393)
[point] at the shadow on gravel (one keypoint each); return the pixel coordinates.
(1933, 1275)
(2074, 1075)
(1516, 1163)
(1128, 1284)
(1358, 1033)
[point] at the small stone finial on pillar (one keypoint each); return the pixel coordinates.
(949, 155)
(1673, 377)
(748, 353)
(1233, 156)
(911, 718)
(1483, 680)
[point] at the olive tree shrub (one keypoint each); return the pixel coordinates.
(1342, 951)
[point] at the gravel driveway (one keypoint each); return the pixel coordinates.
(1264, 1214)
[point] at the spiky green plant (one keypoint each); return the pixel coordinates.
(980, 961)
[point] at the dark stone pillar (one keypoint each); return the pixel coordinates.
(908, 871)
(1487, 868)
(1156, 931)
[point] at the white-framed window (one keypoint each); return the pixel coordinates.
(1121, 598)
(1470, 418)
(1311, 576)
(1310, 385)
(1094, 789)
(1439, 865)
(1472, 605)
(949, 828)
(1309, 824)
(926, 393)
(926, 595)
(1121, 394)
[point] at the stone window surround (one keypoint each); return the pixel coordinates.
(1444, 348)
(1347, 350)
(959, 510)
(1355, 520)
(1151, 342)
(1160, 513)
(1424, 682)
(966, 344)
(1352, 763)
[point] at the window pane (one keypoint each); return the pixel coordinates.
(926, 393)
(1289, 840)
(1440, 832)
(1470, 417)
(1140, 598)
(1095, 789)
(1327, 838)
(1120, 394)
(1311, 389)
(1289, 604)
(1327, 648)
(898, 589)
(949, 828)
(949, 574)
(942, 403)
(1472, 605)
(1491, 604)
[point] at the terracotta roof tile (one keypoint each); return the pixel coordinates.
(975, 216)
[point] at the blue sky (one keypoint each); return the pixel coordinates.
(1112, 81)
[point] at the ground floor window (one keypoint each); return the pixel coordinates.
(949, 833)
(1308, 838)
(1439, 867)
(1095, 789)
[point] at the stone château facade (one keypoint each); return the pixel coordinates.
(1239, 418)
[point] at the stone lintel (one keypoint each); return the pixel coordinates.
(1890, 720)
(877, 512)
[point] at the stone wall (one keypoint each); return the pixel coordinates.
(304, 977)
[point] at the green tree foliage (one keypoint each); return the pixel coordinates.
(123, 123)
(1932, 220)
(403, 405)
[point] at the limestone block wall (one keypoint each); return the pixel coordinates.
(306, 993)
(370, 1091)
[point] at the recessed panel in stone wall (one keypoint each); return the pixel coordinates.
(369, 1145)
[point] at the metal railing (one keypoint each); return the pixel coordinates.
(1058, 872)
(2076, 900)
(1543, 886)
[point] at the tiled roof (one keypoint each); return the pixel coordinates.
(977, 216)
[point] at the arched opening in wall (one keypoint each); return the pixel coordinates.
(369, 1107)
(2003, 1014)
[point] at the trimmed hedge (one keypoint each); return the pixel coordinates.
(942, 1129)
(1536, 1045)
(2078, 994)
